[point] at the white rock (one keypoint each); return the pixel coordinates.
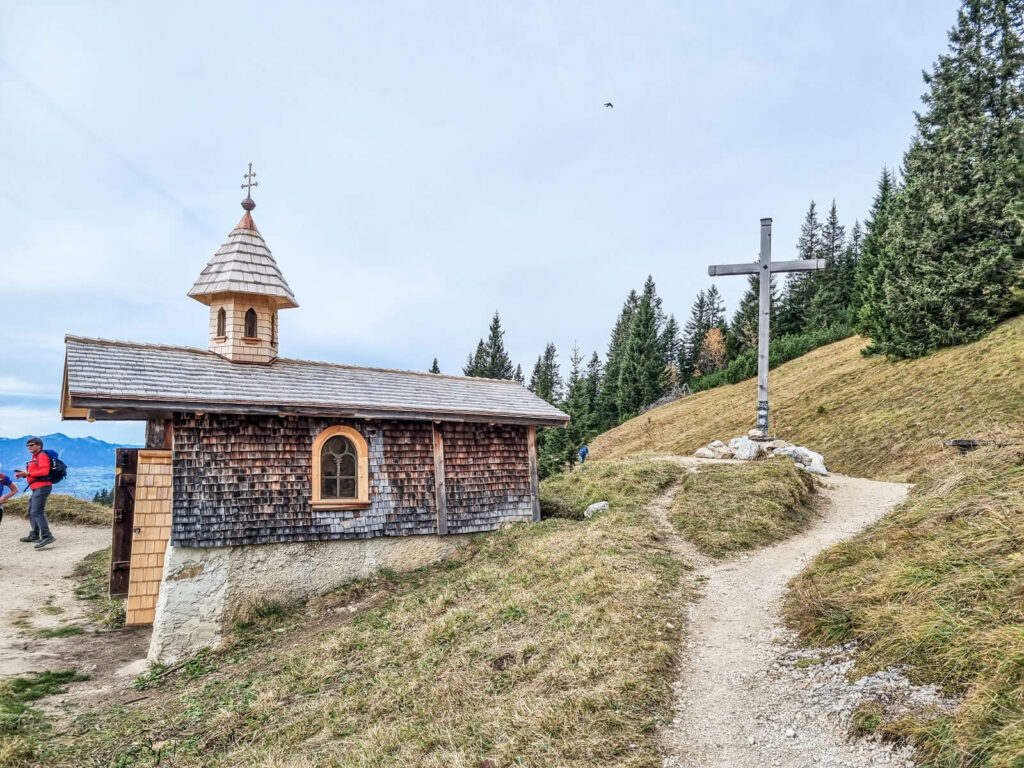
(714, 445)
(814, 469)
(598, 507)
(746, 449)
(705, 453)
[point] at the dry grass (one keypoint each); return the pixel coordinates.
(625, 484)
(62, 508)
(539, 645)
(869, 417)
(732, 507)
(938, 585)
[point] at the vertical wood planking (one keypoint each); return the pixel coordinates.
(125, 467)
(439, 489)
(152, 531)
(531, 443)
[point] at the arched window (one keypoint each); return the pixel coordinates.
(340, 469)
(222, 322)
(250, 323)
(273, 329)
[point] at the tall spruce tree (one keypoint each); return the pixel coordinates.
(476, 363)
(642, 371)
(518, 375)
(608, 399)
(743, 328)
(435, 368)
(546, 380)
(867, 289)
(693, 335)
(833, 297)
(952, 252)
(671, 346)
(578, 404)
(499, 364)
(795, 306)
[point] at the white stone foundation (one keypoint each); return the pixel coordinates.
(205, 589)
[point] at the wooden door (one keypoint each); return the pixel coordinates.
(125, 466)
(150, 533)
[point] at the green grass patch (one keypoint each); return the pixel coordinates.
(92, 574)
(626, 484)
(728, 508)
(67, 630)
(936, 586)
(20, 724)
(62, 508)
(538, 645)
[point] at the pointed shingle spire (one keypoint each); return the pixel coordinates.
(244, 265)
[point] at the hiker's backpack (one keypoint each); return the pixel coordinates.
(58, 469)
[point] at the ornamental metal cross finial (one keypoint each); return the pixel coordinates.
(248, 186)
(764, 268)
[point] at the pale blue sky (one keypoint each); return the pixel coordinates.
(423, 164)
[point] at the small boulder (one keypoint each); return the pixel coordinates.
(705, 453)
(599, 506)
(720, 450)
(815, 469)
(746, 449)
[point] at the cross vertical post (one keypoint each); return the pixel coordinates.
(764, 314)
(764, 268)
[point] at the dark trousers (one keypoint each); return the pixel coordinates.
(37, 511)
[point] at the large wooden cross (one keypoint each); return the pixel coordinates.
(764, 268)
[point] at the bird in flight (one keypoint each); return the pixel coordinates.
(609, 104)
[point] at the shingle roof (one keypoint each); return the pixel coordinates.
(243, 265)
(124, 375)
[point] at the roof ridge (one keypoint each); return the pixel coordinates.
(184, 348)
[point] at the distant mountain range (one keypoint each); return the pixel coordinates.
(90, 461)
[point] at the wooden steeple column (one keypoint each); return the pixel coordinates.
(244, 289)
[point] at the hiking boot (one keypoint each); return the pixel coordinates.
(30, 537)
(44, 541)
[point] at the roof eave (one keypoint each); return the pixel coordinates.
(131, 409)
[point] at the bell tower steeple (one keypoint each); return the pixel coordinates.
(244, 289)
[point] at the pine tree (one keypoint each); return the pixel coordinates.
(693, 336)
(546, 381)
(715, 307)
(435, 368)
(518, 375)
(607, 399)
(952, 252)
(868, 286)
(833, 296)
(671, 346)
(578, 403)
(476, 363)
(795, 307)
(499, 364)
(642, 372)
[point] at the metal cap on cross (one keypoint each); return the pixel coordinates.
(764, 268)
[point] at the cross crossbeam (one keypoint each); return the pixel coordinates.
(764, 268)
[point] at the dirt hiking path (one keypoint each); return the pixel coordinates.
(740, 702)
(37, 592)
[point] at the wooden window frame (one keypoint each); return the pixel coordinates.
(362, 501)
(222, 324)
(255, 325)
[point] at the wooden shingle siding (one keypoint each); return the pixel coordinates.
(247, 480)
(152, 527)
(487, 476)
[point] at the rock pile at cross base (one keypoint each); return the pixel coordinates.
(745, 449)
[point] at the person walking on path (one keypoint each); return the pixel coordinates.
(38, 473)
(584, 452)
(6, 484)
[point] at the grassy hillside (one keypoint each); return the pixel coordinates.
(868, 416)
(61, 508)
(938, 585)
(539, 645)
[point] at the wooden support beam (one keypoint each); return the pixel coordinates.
(531, 443)
(159, 434)
(439, 488)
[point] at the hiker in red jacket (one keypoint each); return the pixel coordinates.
(38, 473)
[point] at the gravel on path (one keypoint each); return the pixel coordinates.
(743, 702)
